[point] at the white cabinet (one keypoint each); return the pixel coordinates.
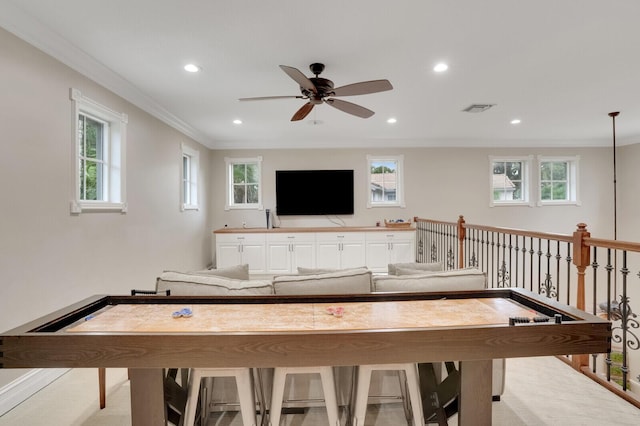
(282, 252)
(383, 248)
(237, 249)
(288, 251)
(340, 250)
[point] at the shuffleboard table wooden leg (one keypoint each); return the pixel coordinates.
(147, 397)
(474, 403)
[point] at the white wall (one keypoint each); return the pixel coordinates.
(440, 184)
(50, 258)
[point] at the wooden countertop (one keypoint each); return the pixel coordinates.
(313, 229)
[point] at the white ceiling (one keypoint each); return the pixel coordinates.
(558, 65)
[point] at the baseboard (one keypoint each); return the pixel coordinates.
(26, 385)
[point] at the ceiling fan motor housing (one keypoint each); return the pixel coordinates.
(324, 88)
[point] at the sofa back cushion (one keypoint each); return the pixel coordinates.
(453, 280)
(190, 284)
(435, 266)
(238, 272)
(347, 281)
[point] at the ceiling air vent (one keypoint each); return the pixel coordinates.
(478, 107)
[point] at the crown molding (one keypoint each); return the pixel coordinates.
(24, 26)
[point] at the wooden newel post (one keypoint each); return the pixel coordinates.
(582, 259)
(462, 232)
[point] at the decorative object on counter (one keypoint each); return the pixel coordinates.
(397, 223)
(268, 212)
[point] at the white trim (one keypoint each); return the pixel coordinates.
(116, 154)
(194, 160)
(22, 388)
(229, 177)
(573, 181)
(399, 160)
(527, 162)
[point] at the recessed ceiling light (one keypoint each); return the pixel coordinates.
(392, 120)
(515, 121)
(441, 67)
(237, 121)
(191, 68)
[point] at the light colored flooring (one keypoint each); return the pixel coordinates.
(539, 391)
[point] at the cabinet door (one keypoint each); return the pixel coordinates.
(279, 257)
(352, 254)
(403, 251)
(227, 254)
(328, 255)
(378, 255)
(254, 253)
(303, 255)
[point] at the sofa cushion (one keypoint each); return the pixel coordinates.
(411, 271)
(346, 281)
(453, 280)
(436, 266)
(238, 272)
(189, 284)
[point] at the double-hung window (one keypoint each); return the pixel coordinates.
(509, 180)
(99, 146)
(385, 183)
(189, 187)
(558, 180)
(244, 183)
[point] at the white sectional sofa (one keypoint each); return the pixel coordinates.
(406, 277)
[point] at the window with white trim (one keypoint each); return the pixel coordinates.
(509, 181)
(189, 187)
(558, 180)
(385, 183)
(244, 183)
(99, 146)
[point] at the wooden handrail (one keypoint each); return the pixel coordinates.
(612, 244)
(543, 235)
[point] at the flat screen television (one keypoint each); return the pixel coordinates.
(314, 192)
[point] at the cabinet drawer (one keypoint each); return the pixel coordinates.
(291, 237)
(241, 238)
(327, 237)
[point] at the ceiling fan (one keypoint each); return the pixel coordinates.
(318, 90)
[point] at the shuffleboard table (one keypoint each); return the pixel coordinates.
(143, 333)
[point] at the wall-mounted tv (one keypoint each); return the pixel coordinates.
(314, 192)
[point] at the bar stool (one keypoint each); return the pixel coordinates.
(328, 389)
(362, 390)
(246, 395)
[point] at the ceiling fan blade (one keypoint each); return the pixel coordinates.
(300, 78)
(363, 88)
(263, 98)
(350, 108)
(302, 112)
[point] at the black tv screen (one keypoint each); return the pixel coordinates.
(314, 192)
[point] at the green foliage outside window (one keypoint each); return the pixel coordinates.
(91, 158)
(245, 183)
(554, 181)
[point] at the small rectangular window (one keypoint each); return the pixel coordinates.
(509, 180)
(558, 180)
(385, 181)
(190, 166)
(244, 183)
(99, 145)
